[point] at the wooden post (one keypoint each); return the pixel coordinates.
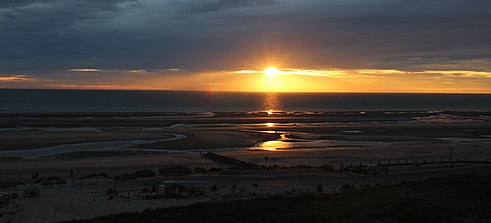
(450, 150)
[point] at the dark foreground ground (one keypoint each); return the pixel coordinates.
(464, 198)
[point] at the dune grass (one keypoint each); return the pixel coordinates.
(452, 199)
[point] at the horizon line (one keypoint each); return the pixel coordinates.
(281, 92)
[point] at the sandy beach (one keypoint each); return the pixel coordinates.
(85, 141)
(115, 144)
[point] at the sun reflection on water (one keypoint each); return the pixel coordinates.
(271, 103)
(275, 145)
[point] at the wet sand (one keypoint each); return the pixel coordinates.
(309, 138)
(118, 143)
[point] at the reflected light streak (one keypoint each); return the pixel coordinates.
(271, 103)
(275, 145)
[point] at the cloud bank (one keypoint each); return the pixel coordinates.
(49, 39)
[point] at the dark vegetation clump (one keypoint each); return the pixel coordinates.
(327, 167)
(216, 169)
(134, 175)
(145, 173)
(201, 170)
(94, 175)
(51, 180)
(109, 191)
(237, 164)
(214, 188)
(302, 167)
(175, 171)
(452, 199)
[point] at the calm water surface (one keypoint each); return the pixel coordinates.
(184, 101)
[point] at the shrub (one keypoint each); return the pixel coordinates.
(327, 167)
(93, 175)
(200, 170)
(110, 191)
(213, 188)
(145, 173)
(175, 171)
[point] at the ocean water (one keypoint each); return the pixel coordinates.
(14, 100)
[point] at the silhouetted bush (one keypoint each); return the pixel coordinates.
(175, 171)
(52, 180)
(145, 173)
(213, 188)
(134, 175)
(94, 175)
(200, 170)
(327, 167)
(110, 191)
(348, 187)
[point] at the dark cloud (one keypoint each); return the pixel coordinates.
(45, 37)
(215, 5)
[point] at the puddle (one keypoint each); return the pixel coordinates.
(288, 144)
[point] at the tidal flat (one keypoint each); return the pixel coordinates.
(75, 157)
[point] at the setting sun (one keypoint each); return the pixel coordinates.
(271, 71)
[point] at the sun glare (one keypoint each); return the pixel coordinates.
(271, 71)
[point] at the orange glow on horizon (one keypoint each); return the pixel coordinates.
(270, 79)
(369, 80)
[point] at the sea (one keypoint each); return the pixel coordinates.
(23, 100)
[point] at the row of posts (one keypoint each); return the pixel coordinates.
(416, 162)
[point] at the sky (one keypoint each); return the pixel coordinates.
(438, 46)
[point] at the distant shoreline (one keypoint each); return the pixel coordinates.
(252, 92)
(250, 114)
